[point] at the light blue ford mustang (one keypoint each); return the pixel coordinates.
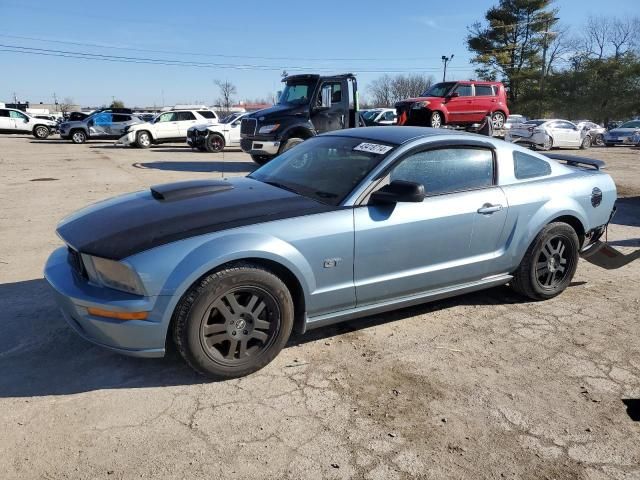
(344, 225)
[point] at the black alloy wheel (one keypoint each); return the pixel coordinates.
(239, 325)
(214, 143)
(553, 263)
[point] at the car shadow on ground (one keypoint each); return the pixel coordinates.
(202, 166)
(187, 149)
(40, 355)
(627, 212)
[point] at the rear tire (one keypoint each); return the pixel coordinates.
(436, 120)
(586, 142)
(234, 321)
(78, 136)
(549, 263)
(497, 120)
(41, 132)
(547, 145)
(261, 159)
(143, 139)
(214, 143)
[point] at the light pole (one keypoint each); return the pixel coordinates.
(446, 60)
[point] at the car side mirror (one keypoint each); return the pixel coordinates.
(398, 191)
(325, 98)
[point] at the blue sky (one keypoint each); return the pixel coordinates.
(366, 37)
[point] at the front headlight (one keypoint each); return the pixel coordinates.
(269, 128)
(113, 274)
(418, 105)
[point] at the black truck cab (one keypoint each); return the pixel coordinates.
(308, 105)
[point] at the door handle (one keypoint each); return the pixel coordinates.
(488, 209)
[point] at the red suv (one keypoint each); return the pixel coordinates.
(455, 103)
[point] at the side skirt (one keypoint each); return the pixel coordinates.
(372, 309)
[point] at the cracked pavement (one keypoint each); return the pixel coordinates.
(487, 385)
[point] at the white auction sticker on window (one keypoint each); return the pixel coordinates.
(372, 148)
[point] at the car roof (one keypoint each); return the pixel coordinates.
(392, 134)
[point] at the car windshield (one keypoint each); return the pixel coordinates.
(631, 124)
(370, 114)
(296, 94)
(439, 89)
(324, 168)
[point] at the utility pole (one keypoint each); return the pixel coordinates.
(55, 101)
(446, 60)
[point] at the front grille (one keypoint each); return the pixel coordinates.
(191, 133)
(246, 144)
(248, 126)
(75, 260)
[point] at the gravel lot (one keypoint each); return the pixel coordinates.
(482, 386)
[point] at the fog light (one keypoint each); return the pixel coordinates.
(100, 312)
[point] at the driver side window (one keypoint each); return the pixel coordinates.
(447, 170)
(167, 117)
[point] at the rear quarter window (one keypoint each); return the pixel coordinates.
(206, 114)
(528, 166)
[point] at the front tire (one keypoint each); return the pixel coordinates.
(78, 136)
(234, 321)
(436, 120)
(261, 159)
(214, 143)
(549, 263)
(143, 139)
(41, 132)
(289, 144)
(599, 140)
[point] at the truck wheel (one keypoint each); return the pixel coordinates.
(234, 321)
(498, 120)
(214, 143)
(549, 263)
(41, 132)
(78, 136)
(435, 120)
(289, 144)
(143, 139)
(586, 142)
(261, 159)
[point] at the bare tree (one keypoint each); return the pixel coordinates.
(380, 90)
(561, 46)
(227, 91)
(597, 33)
(624, 35)
(387, 90)
(66, 105)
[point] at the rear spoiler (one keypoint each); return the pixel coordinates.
(576, 161)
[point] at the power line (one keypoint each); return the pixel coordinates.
(181, 63)
(209, 54)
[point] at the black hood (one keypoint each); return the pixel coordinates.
(132, 223)
(279, 110)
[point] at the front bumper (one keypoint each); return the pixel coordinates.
(127, 139)
(197, 139)
(74, 295)
(260, 147)
(624, 140)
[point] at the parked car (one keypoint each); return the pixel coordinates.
(309, 104)
(456, 103)
(77, 116)
(546, 134)
(214, 138)
(328, 231)
(16, 121)
(102, 124)
(626, 134)
(379, 116)
(595, 131)
(171, 126)
(514, 119)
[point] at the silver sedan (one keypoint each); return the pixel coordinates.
(546, 134)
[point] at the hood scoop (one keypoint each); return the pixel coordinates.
(191, 188)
